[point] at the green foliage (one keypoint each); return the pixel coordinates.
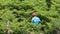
(18, 12)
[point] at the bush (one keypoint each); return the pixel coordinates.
(18, 12)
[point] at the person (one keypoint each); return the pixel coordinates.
(35, 19)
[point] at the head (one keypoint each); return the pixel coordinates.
(33, 14)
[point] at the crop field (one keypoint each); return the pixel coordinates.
(16, 14)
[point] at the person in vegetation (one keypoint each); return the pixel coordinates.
(35, 19)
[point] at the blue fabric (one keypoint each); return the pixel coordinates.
(35, 20)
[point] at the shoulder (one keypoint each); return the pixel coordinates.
(35, 17)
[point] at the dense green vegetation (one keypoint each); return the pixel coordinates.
(18, 12)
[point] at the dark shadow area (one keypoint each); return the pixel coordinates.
(1, 19)
(1, 31)
(2, 7)
(18, 16)
(27, 7)
(21, 0)
(45, 19)
(58, 9)
(53, 31)
(11, 7)
(46, 26)
(48, 4)
(55, 16)
(22, 31)
(20, 26)
(19, 20)
(25, 15)
(15, 12)
(10, 19)
(59, 12)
